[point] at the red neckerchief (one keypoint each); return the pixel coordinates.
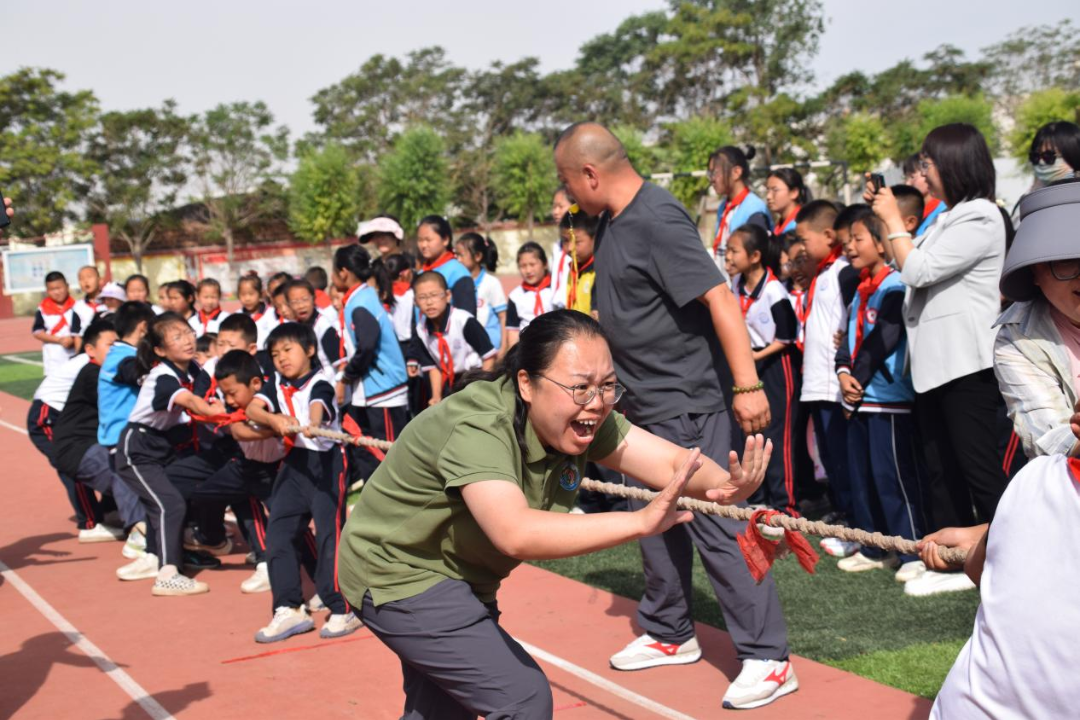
(746, 300)
(538, 306)
(728, 209)
(341, 317)
(322, 300)
(867, 287)
(824, 265)
(574, 275)
(287, 392)
(779, 229)
(800, 313)
(51, 307)
(439, 262)
(401, 287)
(930, 207)
(257, 315)
(446, 360)
(205, 318)
(93, 304)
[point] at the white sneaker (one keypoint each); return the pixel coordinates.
(135, 545)
(101, 533)
(340, 625)
(170, 583)
(935, 583)
(839, 548)
(910, 571)
(144, 567)
(191, 543)
(250, 558)
(759, 683)
(860, 563)
(286, 623)
(315, 604)
(645, 652)
(259, 580)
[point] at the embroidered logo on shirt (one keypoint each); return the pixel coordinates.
(569, 479)
(871, 315)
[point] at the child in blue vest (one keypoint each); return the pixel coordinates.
(435, 241)
(886, 479)
(729, 173)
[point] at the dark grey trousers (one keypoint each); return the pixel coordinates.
(752, 612)
(96, 471)
(457, 662)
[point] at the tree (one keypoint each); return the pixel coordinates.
(43, 131)
(236, 153)
(324, 195)
(1033, 59)
(861, 140)
(141, 172)
(524, 174)
(692, 142)
(643, 157)
(1038, 109)
(414, 177)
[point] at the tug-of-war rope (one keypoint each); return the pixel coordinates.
(758, 549)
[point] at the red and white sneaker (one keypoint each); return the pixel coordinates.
(760, 683)
(645, 652)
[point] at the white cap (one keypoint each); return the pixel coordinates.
(380, 225)
(114, 291)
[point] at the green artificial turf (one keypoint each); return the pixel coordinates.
(858, 622)
(20, 379)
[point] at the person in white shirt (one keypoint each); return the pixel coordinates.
(480, 257)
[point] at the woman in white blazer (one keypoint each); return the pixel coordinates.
(952, 273)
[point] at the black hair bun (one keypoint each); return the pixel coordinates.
(751, 151)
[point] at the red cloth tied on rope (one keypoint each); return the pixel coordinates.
(760, 552)
(348, 424)
(222, 419)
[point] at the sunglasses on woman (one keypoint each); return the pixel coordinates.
(1045, 157)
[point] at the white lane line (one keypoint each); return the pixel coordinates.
(603, 683)
(16, 428)
(24, 361)
(92, 651)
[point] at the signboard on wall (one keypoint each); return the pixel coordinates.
(25, 270)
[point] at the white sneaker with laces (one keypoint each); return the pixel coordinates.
(259, 580)
(935, 583)
(101, 533)
(860, 563)
(759, 683)
(646, 652)
(910, 571)
(340, 625)
(170, 583)
(286, 623)
(135, 545)
(839, 548)
(144, 567)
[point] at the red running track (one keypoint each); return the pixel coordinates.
(195, 657)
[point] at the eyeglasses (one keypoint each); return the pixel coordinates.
(924, 165)
(1065, 269)
(1046, 157)
(431, 296)
(610, 393)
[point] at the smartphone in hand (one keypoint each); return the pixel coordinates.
(878, 181)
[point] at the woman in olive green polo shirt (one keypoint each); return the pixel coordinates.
(460, 501)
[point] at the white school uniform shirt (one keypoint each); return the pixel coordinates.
(761, 308)
(88, 310)
(827, 316)
(328, 349)
(1020, 661)
(265, 325)
(156, 404)
(468, 342)
(402, 315)
(64, 324)
(311, 389)
(211, 325)
(521, 308)
(55, 388)
(561, 265)
(490, 299)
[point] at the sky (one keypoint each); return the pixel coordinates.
(137, 54)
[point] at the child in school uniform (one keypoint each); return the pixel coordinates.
(137, 288)
(533, 297)
(374, 376)
(560, 261)
(886, 481)
(480, 257)
(435, 242)
(447, 341)
(209, 315)
(90, 306)
(112, 296)
(773, 329)
(205, 348)
(826, 314)
(180, 299)
(56, 324)
(250, 292)
(399, 268)
(78, 454)
(280, 304)
(300, 296)
(579, 232)
(310, 484)
(159, 427)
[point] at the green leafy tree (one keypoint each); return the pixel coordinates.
(236, 156)
(324, 195)
(691, 143)
(141, 172)
(861, 140)
(1038, 109)
(644, 158)
(907, 134)
(1032, 59)
(524, 174)
(43, 132)
(414, 177)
